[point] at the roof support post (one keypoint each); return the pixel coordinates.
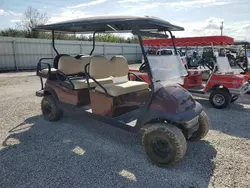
(145, 59)
(93, 43)
(172, 39)
(53, 42)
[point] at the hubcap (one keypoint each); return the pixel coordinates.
(47, 108)
(160, 147)
(218, 99)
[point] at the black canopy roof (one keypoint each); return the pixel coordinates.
(111, 24)
(241, 42)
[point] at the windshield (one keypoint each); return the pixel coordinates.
(223, 64)
(167, 69)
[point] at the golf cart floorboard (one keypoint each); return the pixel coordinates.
(199, 89)
(129, 118)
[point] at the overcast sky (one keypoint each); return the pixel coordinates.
(198, 17)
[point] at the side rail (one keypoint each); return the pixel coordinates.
(41, 66)
(64, 80)
(88, 76)
(39, 70)
(136, 77)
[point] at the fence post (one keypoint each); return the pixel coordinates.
(14, 54)
(103, 50)
(52, 50)
(81, 48)
(136, 54)
(122, 50)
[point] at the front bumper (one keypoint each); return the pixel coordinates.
(40, 93)
(242, 90)
(189, 124)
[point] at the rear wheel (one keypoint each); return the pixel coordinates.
(203, 127)
(164, 144)
(50, 109)
(220, 98)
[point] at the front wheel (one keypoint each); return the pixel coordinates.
(164, 144)
(234, 98)
(50, 109)
(203, 127)
(220, 98)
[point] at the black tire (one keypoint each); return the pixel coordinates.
(224, 98)
(164, 144)
(234, 98)
(248, 92)
(50, 110)
(203, 127)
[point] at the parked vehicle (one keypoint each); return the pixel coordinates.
(231, 55)
(244, 62)
(223, 86)
(164, 112)
(193, 78)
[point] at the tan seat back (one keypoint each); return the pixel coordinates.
(100, 67)
(70, 65)
(84, 60)
(119, 69)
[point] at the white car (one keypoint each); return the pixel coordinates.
(165, 51)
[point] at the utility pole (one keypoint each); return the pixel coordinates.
(221, 28)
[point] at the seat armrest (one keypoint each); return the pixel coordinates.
(39, 67)
(60, 73)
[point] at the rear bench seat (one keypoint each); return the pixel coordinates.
(71, 66)
(45, 72)
(119, 70)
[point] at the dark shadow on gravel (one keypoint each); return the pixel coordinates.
(80, 152)
(233, 120)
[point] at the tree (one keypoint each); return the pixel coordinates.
(32, 18)
(12, 33)
(107, 38)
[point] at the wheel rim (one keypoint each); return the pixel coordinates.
(160, 147)
(47, 108)
(219, 99)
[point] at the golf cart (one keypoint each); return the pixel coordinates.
(189, 81)
(222, 85)
(163, 112)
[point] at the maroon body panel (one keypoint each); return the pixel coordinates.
(115, 106)
(69, 96)
(172, 99)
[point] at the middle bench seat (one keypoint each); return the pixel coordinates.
(119, 71)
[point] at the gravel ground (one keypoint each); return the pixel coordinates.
(80, 152)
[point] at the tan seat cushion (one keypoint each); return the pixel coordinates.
(119, 66)
(100, 67)
(117, 89)
(70, 65)
(46, 71)
(82, 83)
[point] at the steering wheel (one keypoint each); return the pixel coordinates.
(142, 68)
